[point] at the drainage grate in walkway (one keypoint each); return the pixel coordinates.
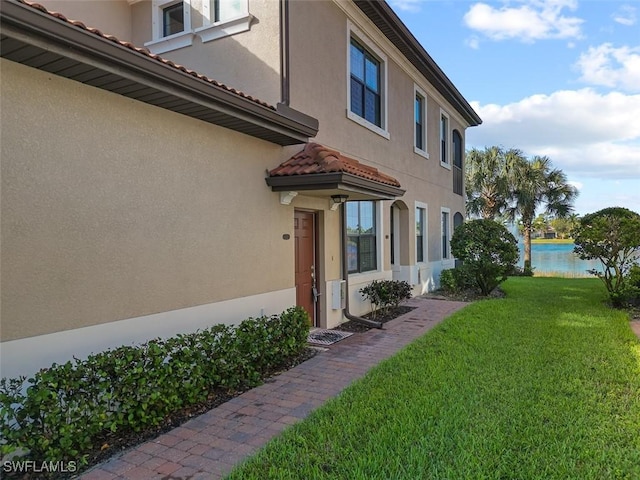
(321, 336)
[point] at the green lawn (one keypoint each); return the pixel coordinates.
(542, 384)
(552, 240)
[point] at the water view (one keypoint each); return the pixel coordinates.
(557, 258)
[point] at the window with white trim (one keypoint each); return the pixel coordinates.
(420, 122)
(366, 83)
(173, 27)
(171, 21)
(221, 18)
(421, 233)
(362, 254)
(445, 233)
(444, 140)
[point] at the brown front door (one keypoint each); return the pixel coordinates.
(304, 231)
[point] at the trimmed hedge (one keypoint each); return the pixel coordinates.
(63, 411)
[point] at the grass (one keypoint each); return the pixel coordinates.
(572, 274)
(542, 384)
(552, 240)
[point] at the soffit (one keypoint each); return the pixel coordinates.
(320, 171)
(33, 36)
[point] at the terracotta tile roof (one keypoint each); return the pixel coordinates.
(144, 51)
(316, 159)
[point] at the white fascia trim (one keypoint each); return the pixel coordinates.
(447, 140)
(353, 31)
(225, 28)
(422, 152)
(26, 356)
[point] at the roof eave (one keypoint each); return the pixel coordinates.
(334, 181)
(383, 16)
(26, 26)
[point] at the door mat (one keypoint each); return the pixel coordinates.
(321, 336)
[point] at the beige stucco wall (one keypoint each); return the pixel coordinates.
(322, 93)
(113, 209)
(248, 61)
(112, 17)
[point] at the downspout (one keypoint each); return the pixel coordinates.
(284, 53)
(345, 274)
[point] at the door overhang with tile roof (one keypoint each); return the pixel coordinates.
(321, 172)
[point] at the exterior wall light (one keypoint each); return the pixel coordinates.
(337, 200)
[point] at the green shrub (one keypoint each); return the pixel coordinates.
(448, 280)
(386, 294)
(612, 236)
(456, 279)
(64, 411)
(631, 289)
(488, 252)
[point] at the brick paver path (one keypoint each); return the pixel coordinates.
(208, 446)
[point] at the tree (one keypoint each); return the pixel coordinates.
(611, 235)
(487, 180)
(536, 184)
(488, 252)
(565, 226)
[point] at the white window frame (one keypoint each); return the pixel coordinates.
(418, 92)
(425, 233)
(449, 257)
(447, 140)
(223, 27)
(160, 43)
(360, 37)
(379, 241)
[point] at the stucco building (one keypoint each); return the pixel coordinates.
(167, 165)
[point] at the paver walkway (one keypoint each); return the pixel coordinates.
(208, 446)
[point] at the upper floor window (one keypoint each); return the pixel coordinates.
(361, 236)
(173, 19)
(457, 163)
(444, 140)
(366, 84)
(174, 27)
(221, 18)
(420, 122)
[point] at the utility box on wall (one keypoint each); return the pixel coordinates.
(338, 294)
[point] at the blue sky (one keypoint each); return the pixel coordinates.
(551, 77)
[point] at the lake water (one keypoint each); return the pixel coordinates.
(547, 258)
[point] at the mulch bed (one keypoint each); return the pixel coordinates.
(391, 314)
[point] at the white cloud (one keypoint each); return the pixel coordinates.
(533, 20)
(625, 15)
(611, 67)
(473, 43)
(583, 132)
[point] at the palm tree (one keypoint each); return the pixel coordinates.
(487, 180)
(536, 184)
